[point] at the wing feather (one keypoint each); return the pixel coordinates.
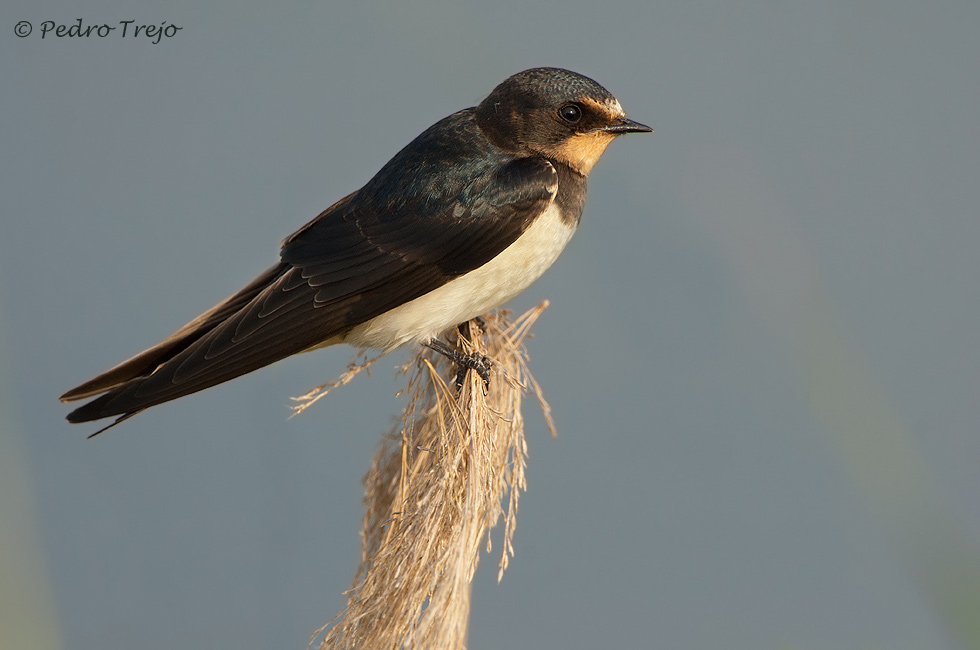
(358, 259)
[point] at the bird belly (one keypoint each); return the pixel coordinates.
(473, 293)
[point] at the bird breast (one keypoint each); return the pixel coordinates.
(472, 293)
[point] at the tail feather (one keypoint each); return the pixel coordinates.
(146, 362)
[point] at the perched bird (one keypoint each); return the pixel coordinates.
(461, 220)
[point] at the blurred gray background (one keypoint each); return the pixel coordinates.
(761, 349)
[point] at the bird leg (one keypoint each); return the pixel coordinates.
(473, 361)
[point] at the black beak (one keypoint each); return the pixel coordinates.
(624, 125)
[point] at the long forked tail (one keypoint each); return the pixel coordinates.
(125, 389)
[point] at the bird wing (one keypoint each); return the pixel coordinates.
(145, 362)
(361, 257)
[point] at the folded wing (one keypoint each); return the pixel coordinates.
(356, 260)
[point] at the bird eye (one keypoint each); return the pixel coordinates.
(570, 113)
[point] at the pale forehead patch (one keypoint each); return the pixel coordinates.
(609, 106)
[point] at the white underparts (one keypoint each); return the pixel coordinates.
(473, 293)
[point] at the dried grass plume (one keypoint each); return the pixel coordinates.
(435, 489)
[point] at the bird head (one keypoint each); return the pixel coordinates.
(554, 113)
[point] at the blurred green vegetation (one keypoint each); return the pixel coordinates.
(27, 614)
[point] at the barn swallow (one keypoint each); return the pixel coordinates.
(461, 220)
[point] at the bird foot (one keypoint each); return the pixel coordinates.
(472, 361)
